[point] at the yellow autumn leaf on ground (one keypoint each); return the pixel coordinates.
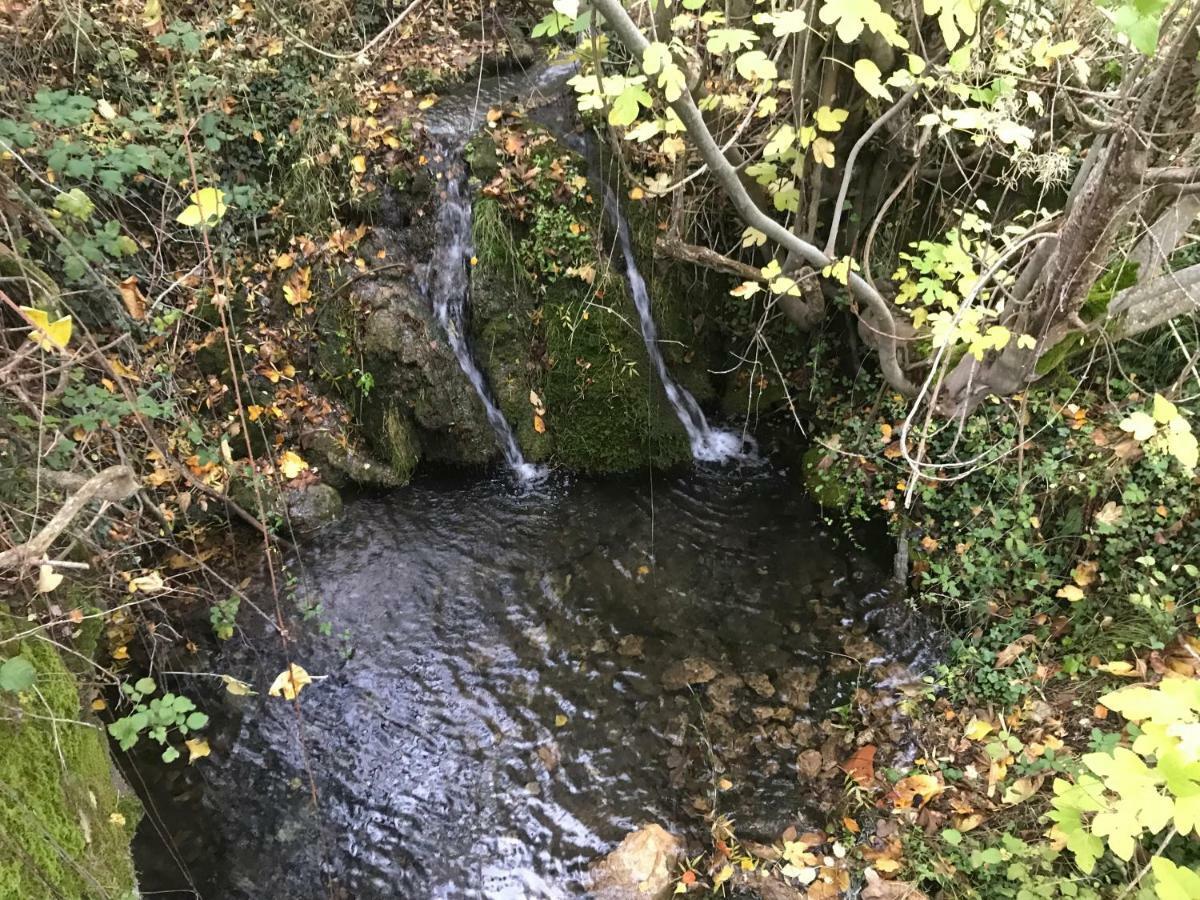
(636, 193)
(916, 790)
(48, 579)
(290, 682)
(291, 464)
(560, 720)
(46, 334)
(98, 704)
(207, 208)
(978, 729)
(359, 164)
(147, 583)
(427, 102)
(284, 261)
(1070, 592)
(197, 749)
(296, 288)
(117, 819)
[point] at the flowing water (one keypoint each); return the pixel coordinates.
(490, 708)
(708, 444)
(448, 286)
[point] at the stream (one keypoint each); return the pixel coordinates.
(490, 709)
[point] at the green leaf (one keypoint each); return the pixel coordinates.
(1172, 882)
(76, 204)
(754, 65)
(867, 74)
(952, 836)
(197, 720)
(145, 686)
(17, 674)
(625, 107)
(170, 755)
(1139, 20)
(955, 18)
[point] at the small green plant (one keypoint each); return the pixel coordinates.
(17, 674)
(223, 617)
(158, 718)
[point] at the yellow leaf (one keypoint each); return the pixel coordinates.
(1027, 342)
(117, 819)
(290, 682)
(822, 151)
(359, 164)
(121, 652)
(560, 720)
(284, 261)
(636, 193)
(828, 119)
(147, 583)
(296, 288)
(978, 729)
(48, 579)
(539, 424)
(291, 464)
(207, 208)
(197, 749)
(1116, 668)
(427, 102)
(867, 74)
(1164, 410)
(106, 110)
(723, 876)
(916, 790)
(236, 687)
(46, 334)
(1140, 425)
(99, 703)
(1070, 592)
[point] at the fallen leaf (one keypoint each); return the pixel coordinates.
(284, 261)
(861, 765)
(1070, 592)
(290, 682)
(1110, 514)
(978, 729)
(147, 583)
(916, 790)
(560, 720)
(131, 296)
(116, 819)
(291, 464)
(48, 579)
(1021, 790)
(236, 687)
(197, 749)
(1009, 654)
(539, 424)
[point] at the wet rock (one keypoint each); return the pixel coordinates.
(810, 763)
(795, 687)
(861, 648)
(722, 693)
(314, 506)
(760, 684)
(689, 671)
(342, 463)
(631, 645)
(641, 868)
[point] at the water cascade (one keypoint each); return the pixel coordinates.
(708, 444)
(448, 286)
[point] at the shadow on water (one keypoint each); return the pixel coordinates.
(492, 715)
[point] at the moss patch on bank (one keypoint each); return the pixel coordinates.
(65, 826)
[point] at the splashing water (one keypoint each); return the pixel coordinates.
(448, 288)
(708, 444)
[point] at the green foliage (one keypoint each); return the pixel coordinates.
(1133, 793)
(223, 617)
(17, 674)
(159, 718)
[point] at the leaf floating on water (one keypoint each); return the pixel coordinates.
(560, 720)
(290, 682)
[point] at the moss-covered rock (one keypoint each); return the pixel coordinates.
(65, 819)
(552, 315)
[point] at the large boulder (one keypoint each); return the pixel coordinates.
(641, 868)
(314, 506)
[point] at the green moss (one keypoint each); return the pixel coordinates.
(399, 444)
(58, 794)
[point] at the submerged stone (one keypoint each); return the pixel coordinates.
(641, 868)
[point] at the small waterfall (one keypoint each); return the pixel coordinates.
(448, 288)
(708, 444)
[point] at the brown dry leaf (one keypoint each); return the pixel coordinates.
(852, 826)
(539, 424)
(1009, 654)
(878, 889)
(295, 289)
(131, 296)
(916, 790)
(1085, 573)
(1021, 790)
(861, 765)
(1110, 514)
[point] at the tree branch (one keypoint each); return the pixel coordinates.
(113, 484)
(685, 107)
